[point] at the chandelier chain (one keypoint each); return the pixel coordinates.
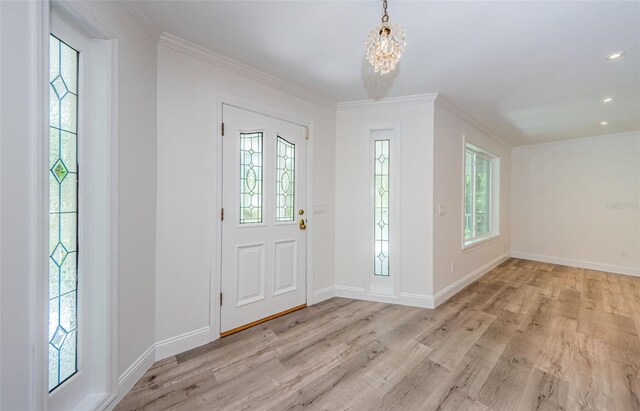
(385, 15)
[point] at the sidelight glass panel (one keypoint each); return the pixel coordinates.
(250, 178)
(63, 212)
(285, 180)
(381, 159)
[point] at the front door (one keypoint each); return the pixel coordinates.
(263, 228)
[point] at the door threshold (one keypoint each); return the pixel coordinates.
(271, 317)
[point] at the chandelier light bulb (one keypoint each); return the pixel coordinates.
(385, 45)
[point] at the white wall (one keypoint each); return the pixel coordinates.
(20, 122)
(18, 136)
(451, 129)
(576, 202)
(137, 181)
(413, 119)
(189, 89)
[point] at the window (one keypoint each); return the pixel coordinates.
(479, 187)
(381, 158)
(250, 178)
(63, 212)
(285, 180)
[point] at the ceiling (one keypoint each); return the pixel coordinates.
(528, 72)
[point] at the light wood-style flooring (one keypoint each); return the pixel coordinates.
(526, 336)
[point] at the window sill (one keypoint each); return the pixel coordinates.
(480, 242)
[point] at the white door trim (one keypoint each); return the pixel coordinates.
(216, 202)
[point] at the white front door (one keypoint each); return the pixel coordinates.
(264, 201)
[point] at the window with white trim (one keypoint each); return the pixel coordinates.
(480, 189)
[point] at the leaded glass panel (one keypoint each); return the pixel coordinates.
(285, 180)
(63, 212)
(250, 178)
(381, 207)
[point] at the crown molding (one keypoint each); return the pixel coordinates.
(415, 98)
(153, 30)
(444, 103)
(191, 49)
(634, 133)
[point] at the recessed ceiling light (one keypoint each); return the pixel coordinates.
(604, 123)
(615, 55)
(608, 99)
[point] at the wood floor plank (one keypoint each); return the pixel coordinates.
(526, 336)
(544, 392)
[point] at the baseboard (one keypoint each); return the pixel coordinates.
(322, 294)
(610, 268)
(181, 343)
(131, 375)
(358, 293)
(417, 300)
(448, 292)
(98, 401)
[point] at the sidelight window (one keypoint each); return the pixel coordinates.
(63, 212)
(381, 158)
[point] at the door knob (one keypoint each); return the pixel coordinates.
(303, 226)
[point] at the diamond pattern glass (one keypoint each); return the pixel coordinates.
(250, 178)
(381, 207)
(285, 180)
(63, 212)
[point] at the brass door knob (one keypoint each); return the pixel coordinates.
(303, 226)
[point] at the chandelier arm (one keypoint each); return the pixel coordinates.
(385, 15)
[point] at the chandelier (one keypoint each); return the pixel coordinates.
(385, 44)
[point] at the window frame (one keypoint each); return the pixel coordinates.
(493, 197)
(96, 380)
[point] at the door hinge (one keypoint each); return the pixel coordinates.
(222, 129)
(222, 214)
(220, 299)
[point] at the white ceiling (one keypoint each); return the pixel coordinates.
(528, 72)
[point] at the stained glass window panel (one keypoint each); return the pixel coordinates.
(250, 178)
(63, 212)
(285, 180)
(381, 207)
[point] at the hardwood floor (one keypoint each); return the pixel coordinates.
(526, 336)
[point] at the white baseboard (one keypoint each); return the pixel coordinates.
(98, 401)
(358, 293)
(322, 294)
(610, 268)
(418, 300)
(181, 343)
(449, 291)
(131, 375)
(158, 351)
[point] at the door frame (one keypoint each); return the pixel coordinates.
(216, 200)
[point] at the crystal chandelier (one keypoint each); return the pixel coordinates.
(385, 44)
